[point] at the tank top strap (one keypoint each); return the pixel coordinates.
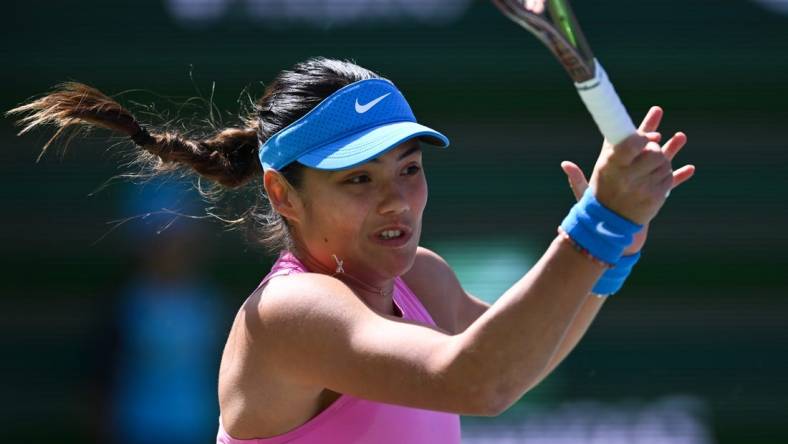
(286, 264)
(411, 306)
(404, 298)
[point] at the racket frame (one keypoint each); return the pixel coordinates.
(561, 34)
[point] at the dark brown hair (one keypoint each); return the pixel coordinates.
(228, 157)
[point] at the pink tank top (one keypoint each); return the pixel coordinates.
(355, 420)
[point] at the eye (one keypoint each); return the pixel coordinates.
(359, 179)
(412, 170)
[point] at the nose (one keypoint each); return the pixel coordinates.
(394, 201)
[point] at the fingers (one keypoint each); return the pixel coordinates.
(664, 185)
(626, 151)
(674, 145)
(674, 179)
(651, 136)
(651, 121)
(682, 175)
(669, 151)
(577, 180)
(649, 160)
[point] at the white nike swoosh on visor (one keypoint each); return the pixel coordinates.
(600, 228)
(361, 109)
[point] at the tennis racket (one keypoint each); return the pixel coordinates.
(555, 25)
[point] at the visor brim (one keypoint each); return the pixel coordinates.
(368, 144)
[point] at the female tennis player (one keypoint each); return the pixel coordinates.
(358, 334)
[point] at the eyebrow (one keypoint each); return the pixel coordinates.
(403, 155)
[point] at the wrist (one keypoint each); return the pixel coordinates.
(598, 230)
(613, 279)
(568, 239)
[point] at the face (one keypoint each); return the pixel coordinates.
(369, 216)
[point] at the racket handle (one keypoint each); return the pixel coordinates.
(605, 107)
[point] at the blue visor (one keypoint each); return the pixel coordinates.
(351, 126)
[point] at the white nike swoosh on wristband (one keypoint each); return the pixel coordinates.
(361, 109)
(602, 230)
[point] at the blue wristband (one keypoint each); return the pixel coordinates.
(613, 278)
(599, 230)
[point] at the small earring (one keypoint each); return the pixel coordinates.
(339, 264)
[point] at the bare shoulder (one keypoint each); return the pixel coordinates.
(274, 320)
(268, 330)
(435, 284)
(292, 300)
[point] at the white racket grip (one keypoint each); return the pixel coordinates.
(605, 107)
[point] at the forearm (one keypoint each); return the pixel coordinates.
(510, 346)
(580, 324)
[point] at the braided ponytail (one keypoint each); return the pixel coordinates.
(229, 157)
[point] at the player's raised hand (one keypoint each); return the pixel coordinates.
(648, 130)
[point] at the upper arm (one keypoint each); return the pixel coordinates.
(317, 332)
(433, 279)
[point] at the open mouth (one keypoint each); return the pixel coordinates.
(391, 234)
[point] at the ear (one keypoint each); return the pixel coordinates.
(283, 197)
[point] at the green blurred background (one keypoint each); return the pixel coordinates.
(699, 329)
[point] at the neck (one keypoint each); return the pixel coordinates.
(378, 295)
